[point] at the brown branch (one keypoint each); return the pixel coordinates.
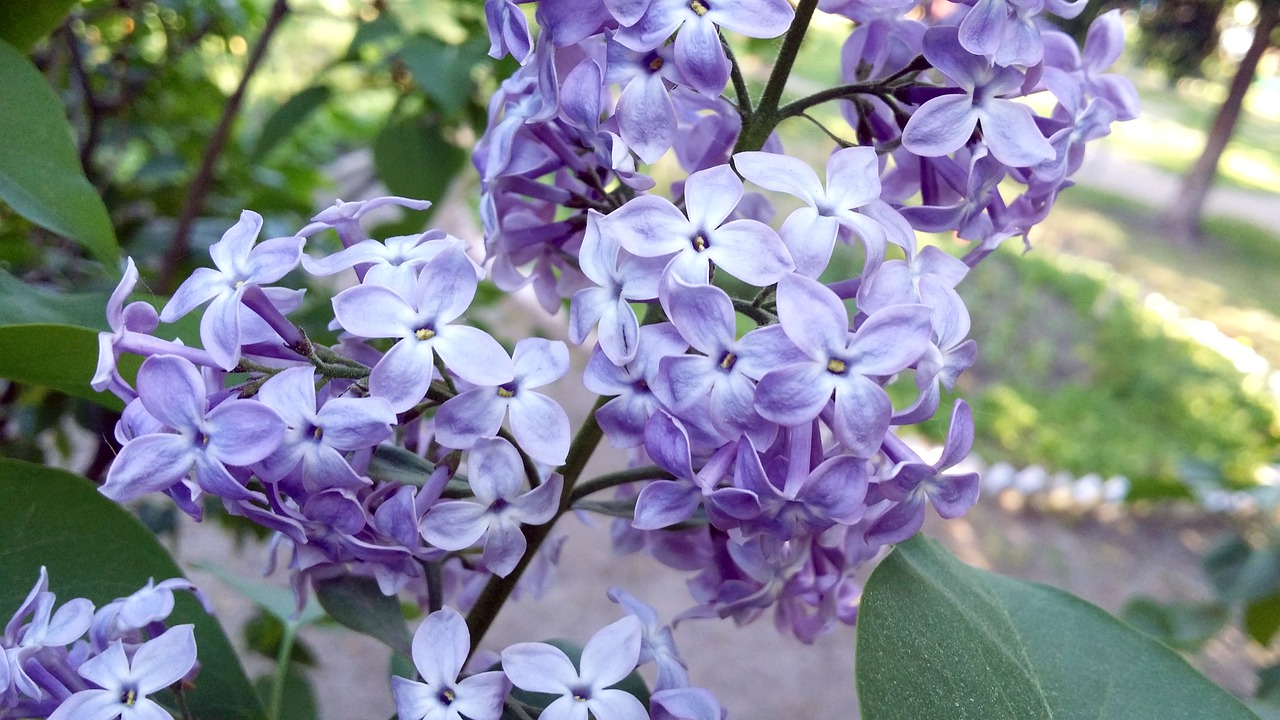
(201, 184)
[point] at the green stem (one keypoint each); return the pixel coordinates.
(739, 83)
(758, 314)
(282, 669)
(498, 589)
(840, 92)
(765, 117)
(435, 586)
(614, 479)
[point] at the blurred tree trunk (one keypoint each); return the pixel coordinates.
(1188, 207)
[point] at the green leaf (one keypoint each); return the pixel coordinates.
(1262, 618)
(61, 357)
(299, 700)
(357, 602)
(41, 177)
(288, 117)
(1239, 572)
(443, 71)
(276, 601)
(1181, 625)
(415, 160)
(93, 548)
(23, 22)
(23, 304)
(939, 639)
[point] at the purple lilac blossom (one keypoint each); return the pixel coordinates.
(945, 123)
(440, 647)
(316, 440)
(124, 681)
(698, 52)
(443, 291)
(241, 266)
(608, 657)
(498, 509)
(236, 432)
(840, 362)
(651, 226)
(539, 424)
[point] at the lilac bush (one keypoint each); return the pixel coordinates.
(745, 376)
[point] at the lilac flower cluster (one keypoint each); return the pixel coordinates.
(75, 663)
(766, 453)
(442, 643)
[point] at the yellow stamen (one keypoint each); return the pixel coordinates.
(424, 334)
(836, 366)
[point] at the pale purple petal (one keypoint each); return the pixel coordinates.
(473, 355)
(440, 647)
(539, 667)
(750, 251)
(203, 285)
(148, 464)
(539, 361)
(171, 389)
(163, 661)
(373, 311)
(940, 126)
(1010, 131)
(794, 394)
(403, 375)
(812, 316)
(454, 524)
(700, 58)
(612, 653)
(540, 426)
(476, 413)
(242, 432)
(862, 414)
(617, 705)
(711, 195)
(539, 505)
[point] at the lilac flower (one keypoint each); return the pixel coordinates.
(344, 217)
(138, 317)
(663, 503)
(608, 657)
(913, 480)
(122, 618)
(619, 277)
(539, 424)
(651, 226)
(47, 629)
(440, 647)
(443, 291)
(685, 703)
(657, 644)
(393, 263)
(698, 52)
(623, 418)
(840, 362)
(236, 432)
(645, 114)
(315, 440)
(853, 182)
(240, 266)
(704, 316)
(508, 31)
(124, 683)
(498, 510)
(944, 124)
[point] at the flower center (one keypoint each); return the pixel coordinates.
(656, 63)
(507, 390)
(424, 333)
(699, 242)
(447, 696)
(129, 697)
(316, 432)
(836, 366)
(582, 694)
(699, 7)
(728, 360)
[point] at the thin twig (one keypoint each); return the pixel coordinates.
(201, 184)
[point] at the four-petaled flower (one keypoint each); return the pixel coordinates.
(440, 648)
(124, 683)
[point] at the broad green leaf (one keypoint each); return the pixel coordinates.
(443, 71)
(40, 176)
(276, 601)
(357, 602)
(1262, 618)
(939, 639)
(414, 159)
(61, 357)
(299, 699)
(23, 22)
(23, 304)
(1239, 572)
(288, 117)
(1181, 625)
(93, 548)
